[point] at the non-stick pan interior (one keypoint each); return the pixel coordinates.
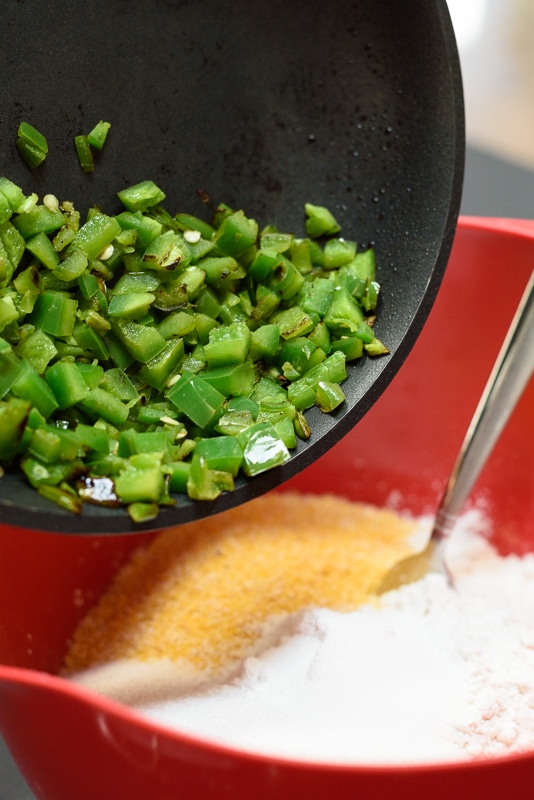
(264, 105)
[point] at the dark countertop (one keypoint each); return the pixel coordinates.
(493, 188)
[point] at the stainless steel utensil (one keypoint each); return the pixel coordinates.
(510, 374)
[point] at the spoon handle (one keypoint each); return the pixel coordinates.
(509, 377)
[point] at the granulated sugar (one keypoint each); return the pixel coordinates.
(432, 674)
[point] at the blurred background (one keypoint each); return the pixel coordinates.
(495, 39)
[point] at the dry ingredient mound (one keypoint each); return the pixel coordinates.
(427, 673)
(207, 594)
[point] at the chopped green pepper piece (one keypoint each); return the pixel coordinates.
(12, 242)
(159, 369)
(221, 452)
(329, 396)
(350, 346)
(320, 222)
(376, 348)
(99, 403)
(38, 219)
(166, 252)
(227, 345)
(344, 315)
(142, 341)
(200, 482)
(179, 323)
(236, 234)
(97, 233)
(98, 135)
(83, 151)
(143, 512)
(338, 252)
(10, 367)
(13, 416)
(141, 196)
(140, 485)
(38, 349)
(130, 305)
(237, 380)
(292, 322)
(53, 445)
(178, 472)
(263, 448)
(93, 438)
(188, 222)
(66, 381)
(30, 386)
(132, 442)
(42, 248)
(197, 399)
(54, 313)
(31, 144)
(145, 228)
(62, 496)
(13, 193)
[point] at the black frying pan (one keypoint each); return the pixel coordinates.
(265, 105)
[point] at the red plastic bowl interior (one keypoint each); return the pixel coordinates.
(71, 744)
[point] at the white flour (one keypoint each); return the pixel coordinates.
(434, 674)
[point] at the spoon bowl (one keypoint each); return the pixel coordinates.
(267, 105)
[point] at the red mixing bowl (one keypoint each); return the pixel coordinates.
(70, 743)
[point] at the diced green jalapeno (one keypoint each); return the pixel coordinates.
(221, 452)
(41, 247)
(31, 144)
(67, 383)
(83, 151)
(145, 228)
(329, 396)
(140, 485)
(99, 403)
(116, 382)
(227, 345)
(38, 219)
(143, 354)
(97, 136)
(97, 233)
(293, 322)
(236, 234)
(13, 416)
(38, 349)
(141, 341)
(197, 399)
(13, 243)
(320, 222)
(263, 448)
(13, 193)
(236, 380)
(141, 196)
(159, 369)
(30, 386)
(55, 314)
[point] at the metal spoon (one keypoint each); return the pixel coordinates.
(510, 374)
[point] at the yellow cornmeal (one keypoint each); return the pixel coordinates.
(201, 593)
